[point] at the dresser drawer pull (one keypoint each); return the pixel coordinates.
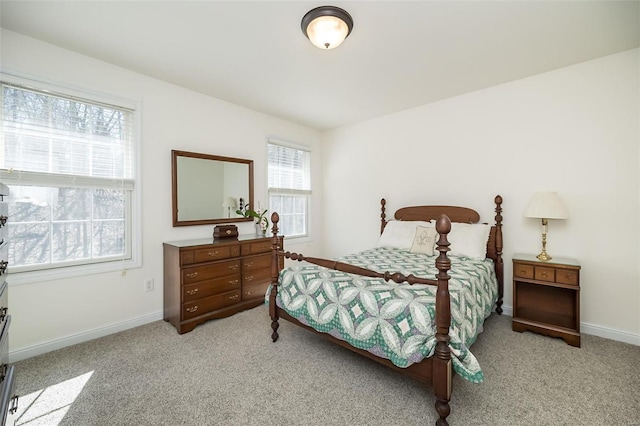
(543, 275)
(233, 267)
(523, 272)
(3, 266)
(249, 293)
(14, 404)
(192, 275)
(3, 220)
(192, 310)
(249, 278)
(3, 312)
(194, 291)
(249, 264)
(234, 282)
(213, 253)
(235, 296)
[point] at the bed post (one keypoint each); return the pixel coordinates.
(383, 216)
(499, 262)
(442, 368)
(275, 271)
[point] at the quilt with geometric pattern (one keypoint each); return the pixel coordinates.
(393, 321)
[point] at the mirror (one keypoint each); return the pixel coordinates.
(207, 188)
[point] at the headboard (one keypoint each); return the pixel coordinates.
(463, 215)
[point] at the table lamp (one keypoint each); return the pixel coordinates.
(230, 203)
(545, 205)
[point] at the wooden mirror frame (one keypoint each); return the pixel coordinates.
(174, 187)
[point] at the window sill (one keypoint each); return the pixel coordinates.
(29, 277)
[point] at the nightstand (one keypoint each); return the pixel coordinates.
(546, 297)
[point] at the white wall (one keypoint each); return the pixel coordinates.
(51, 314)
(574, 130)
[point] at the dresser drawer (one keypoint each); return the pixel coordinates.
(212, 270)
(523, 271)
(256, 291)
(257, 276)
(255, 248)
(210, 287)
(256, 262)
(208, 304)
(216, 253)
(545, 274)
(564, 276)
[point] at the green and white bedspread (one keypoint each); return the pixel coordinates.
(393, 321)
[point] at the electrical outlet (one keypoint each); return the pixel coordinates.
(148, 284)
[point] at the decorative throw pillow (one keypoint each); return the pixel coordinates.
(400, 234)
(424, 240)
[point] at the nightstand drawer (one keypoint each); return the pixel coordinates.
(566, 277)
(523, 271)
(545, 274)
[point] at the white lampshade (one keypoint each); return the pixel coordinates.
(230, 202)
(327, 26)
(546, 205)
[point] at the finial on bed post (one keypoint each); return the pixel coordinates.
(442, 368)
(499, 261)
(275, 271)
(383, 216)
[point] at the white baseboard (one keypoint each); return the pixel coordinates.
(85, 336)
(610, 333)
(596, 330)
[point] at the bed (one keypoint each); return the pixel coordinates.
(382, 304)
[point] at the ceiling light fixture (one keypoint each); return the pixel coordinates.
(327, 26)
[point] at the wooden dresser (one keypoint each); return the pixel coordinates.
(8, 401)
(205, 279)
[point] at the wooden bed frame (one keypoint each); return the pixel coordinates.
(437, 370)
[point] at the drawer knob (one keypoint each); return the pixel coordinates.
(249, 293)
(523, 272)
(194, 291)
(249, 278)
(233, 267)
(192, 310)
(213, 253)
(544, 275)
(192, 275)
(235, 296)
(249, 264)
(14, 404)
(233, 282)
(3, 220)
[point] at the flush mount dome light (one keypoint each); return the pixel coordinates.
(327, 26)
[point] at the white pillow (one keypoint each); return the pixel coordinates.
(400, 233)
(469, 240)
(424, 240)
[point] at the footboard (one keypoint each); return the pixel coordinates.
(441, 372)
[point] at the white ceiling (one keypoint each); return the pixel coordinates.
(401, 54)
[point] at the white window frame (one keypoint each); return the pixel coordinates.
(132, 222)
(286, 191)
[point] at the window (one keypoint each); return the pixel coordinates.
(290, 188)
(69, 164)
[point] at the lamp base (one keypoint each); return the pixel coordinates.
(544, 256)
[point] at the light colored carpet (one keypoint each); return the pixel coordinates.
(228, 372)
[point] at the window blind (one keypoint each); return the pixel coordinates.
(289, 169)
(74, 141)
